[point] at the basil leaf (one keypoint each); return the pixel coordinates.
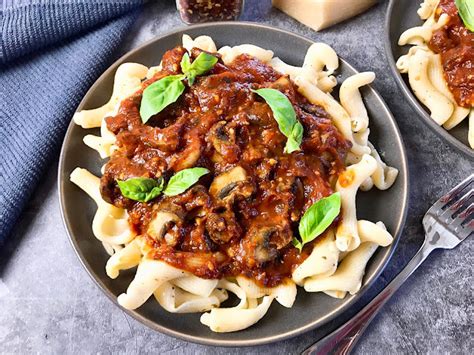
(159, 95)
(466, 12)
(183, 180)
(295, 138)
(202, 64)
(317, 218)
(141, 189)
(285, 115)
(185, 63)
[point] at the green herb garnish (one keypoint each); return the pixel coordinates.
(183, 180)
(317, 218)
(160, 94)
(141, 189)
(146, 189)
(466, 12)
(201, 65)
(167, 90)
(285, 115)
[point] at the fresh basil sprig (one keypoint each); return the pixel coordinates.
(285, 115)
(317, 218)
(160, 94)
(141, 189)
(201, 65)
(183, 180)
(167, 90)
(466, 12)
(146, 189)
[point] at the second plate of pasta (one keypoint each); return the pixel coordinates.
(233, 184)
(430, 52)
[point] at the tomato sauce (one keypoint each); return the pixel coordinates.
(455, 43)
(246, 227)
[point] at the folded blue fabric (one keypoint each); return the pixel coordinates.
(50, 54)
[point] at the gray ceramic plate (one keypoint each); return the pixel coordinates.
(401, 15)
(310, 310)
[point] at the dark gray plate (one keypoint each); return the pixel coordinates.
(310, 310)
(401, 15)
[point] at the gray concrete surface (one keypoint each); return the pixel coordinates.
(48, 304)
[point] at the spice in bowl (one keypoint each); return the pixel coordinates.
(197, 11)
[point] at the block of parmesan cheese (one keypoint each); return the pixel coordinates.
(319, 14)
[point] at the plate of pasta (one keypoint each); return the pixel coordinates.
(226, 189)
(430, 48)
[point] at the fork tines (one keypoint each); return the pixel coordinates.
(456, 208)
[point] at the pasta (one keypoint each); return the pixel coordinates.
(426, 68)
(335, 263)
(348, 276)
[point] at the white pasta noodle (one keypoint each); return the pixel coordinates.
(326, 82)
(196, 285)
(337, 262)
(110, 223)
(150, 275)
(422, 34)
(230, 53)
(347, 237)
(427, 8)
(105, 144)
(459, 114)
(223, 320)
(374, 232)
(348, 276)
(176, 300)
(351, 100)
(415, 36)
(322, 260)
(384, 176)
(236, 290)
(340, 117)
(127, 81)
(440, 106)
(153, 70)
(290, 70)
(336, 294)
(284, 293)
(436, 77)
(202, 42)
(320, 56)
(108, 248)
(126, 258)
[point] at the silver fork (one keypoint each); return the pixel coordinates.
(447, 223)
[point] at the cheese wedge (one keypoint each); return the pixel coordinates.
(319, 14)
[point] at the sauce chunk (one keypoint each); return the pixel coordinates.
(241, 218)
(455, 43)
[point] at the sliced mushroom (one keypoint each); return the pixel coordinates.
(226, 184)
(264, 251)
(161, 223)
(222, 226)
(222, 136)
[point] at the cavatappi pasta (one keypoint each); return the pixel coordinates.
(445, 86)
(335, 264)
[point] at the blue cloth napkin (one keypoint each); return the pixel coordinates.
(51, 51)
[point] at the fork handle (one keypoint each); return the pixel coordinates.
(343, 339)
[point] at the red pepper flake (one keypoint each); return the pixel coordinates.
(196, 11)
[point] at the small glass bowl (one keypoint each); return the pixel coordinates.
(199, 11)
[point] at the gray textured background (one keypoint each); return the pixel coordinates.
(48, 304)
